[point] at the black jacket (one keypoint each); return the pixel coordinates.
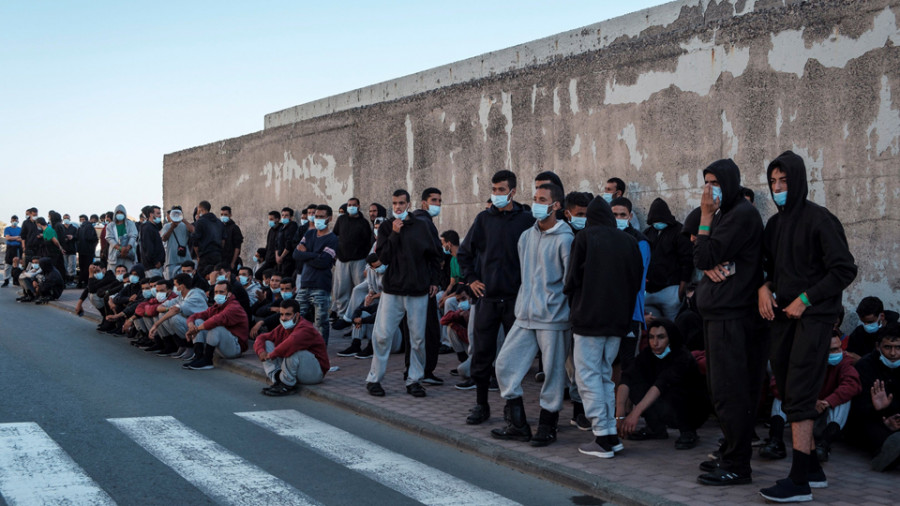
(805, 249)
(233, 239)
(271, 243)
(861, 342)
(152, 250)
(604, 276)
(288, 237)
(207, 235)
(862, 412)
(671, 253)
(99, 286)
(31, 236)
(354, 238)
(736, 236)
(52, 286)
(490, 253)
(676, 371)
(70, 245)
(412, 259)
(86, 238)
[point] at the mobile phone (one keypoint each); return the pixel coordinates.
(730, 269)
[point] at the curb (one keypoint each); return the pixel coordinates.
(587, 483)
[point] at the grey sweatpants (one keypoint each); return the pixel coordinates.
(357, 298)
(301, 367)
(176, 325)
(391, 309)
(516, 356)
(346, 276)
(593, 363)
(225, 343)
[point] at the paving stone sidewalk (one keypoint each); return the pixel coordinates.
(650, 472)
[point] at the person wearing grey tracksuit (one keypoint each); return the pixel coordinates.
(542, 321)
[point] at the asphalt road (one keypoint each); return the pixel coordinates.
(86, 419)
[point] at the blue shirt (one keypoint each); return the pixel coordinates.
(15, 232)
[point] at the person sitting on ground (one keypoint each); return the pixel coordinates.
(147, 314)
(222, 327)
(671, 262)
(841, 385)
(197, 280)
(875, 413)
(48, 284)
(106, 293)
(175, 312)
(293, 354)
(368, 305)
(224, 273)
(872, 317)
(249, 284)
(26, 279)
(97, 280)
(666, 388)
(121, 318)
(267, 295)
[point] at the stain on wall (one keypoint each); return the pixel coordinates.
(651, 97)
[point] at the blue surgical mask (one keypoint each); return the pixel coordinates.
(621, 224)
(352, 210)
(220, 298)
(288, 324)
(540, 211)
(380, 269)
(276, 290)
(147, 294)
(664, 353)
(890, 365)
(660, 226)
(285, 221)
(434, 210)
(66, 221)
(578, 222)
(873, 327)
(120, 216)
(120, 277)
(153, 291)
(464, 305)
(608, 197)
(225, 219)
(320, 224)
(401, 216)
(835, 358)
(287, 295)
(500, 201)
(446, 251)
(220, 278)
(717, 194)
(133, 278)
(271, 223)
(303, 222)
(243, 279)
(14, 224)
(161, 296)
(98, 276)
(780, 198)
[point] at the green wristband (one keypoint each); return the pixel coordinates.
(805, 300)
(703, 228)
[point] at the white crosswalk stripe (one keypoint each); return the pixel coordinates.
(411, 478)
(219, 473)
(35, 470)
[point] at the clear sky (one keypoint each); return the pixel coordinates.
(93, 94)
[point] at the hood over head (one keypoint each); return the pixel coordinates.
(692, 223)
(729, 177)
(795, 170)
(121, 209)
(139, 270)
(381, 211)
(599, 213)
(660, 213)
(55, 218)
(46, 264)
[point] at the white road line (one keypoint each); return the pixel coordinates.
(34, 469)
(219, 473)
(411, 478)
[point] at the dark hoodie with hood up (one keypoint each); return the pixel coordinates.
(735, 236)
(671, 254)
(52, 286)
(805, 249)
(604, 276)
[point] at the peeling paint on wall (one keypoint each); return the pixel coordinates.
(629, 135)
(317, 171)
(886, 127)
(506, 110)
(484, 111)
(244, 178)
(410, 155)
(577, 146)
(729, 140)
(573, 95)
(556, 104)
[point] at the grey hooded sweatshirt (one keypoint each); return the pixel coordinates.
(543, 259)
(113, 238)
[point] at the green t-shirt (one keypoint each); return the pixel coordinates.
(454, 268)
(49, 233)
(121, 228)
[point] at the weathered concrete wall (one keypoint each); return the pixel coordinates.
(651, 97)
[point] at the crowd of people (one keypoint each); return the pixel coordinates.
(721, 314)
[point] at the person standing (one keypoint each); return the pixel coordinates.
(405, 246)
(13, 236)
(671, 262)
(153, 253)
(729, 249)
(355, 240)
(605, 271)
(68, 233)
(286, 240)
(542, 321)
(314, 256)
(489, 260)
(31, 236)
(808, 265)
(86, 244)
(121, 235)
(176, 234)
(232, 238)
(429, 209)
(207, 237)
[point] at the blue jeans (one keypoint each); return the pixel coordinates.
(320, 301)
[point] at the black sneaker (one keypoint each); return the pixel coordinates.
(581, 422)
(469, 384)
(823, 450)
(416, 390)
(719, 477)
(544, 435)
(431, 379)
(787, 491)
(645, 434)
(280, 390)
(539, 376)
(5, 284)
(444, 350)
(479, 414)
(341, 324)
(351, 350)
(375, 389)
(493, 386)
(366, 352)
(686, 441)
(708, 466)
(773, 450)
(201, 364)
(818, 479)
(454, 372)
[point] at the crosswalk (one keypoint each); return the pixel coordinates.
(35, 470)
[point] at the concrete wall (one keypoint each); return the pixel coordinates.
(651, 97)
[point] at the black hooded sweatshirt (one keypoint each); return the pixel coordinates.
(671, 254)
(53, 284)
(354, 237)
(805, 249)
(412, 258)
(152, 250)
(490, 251)
(735, 236)
(604, 276)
